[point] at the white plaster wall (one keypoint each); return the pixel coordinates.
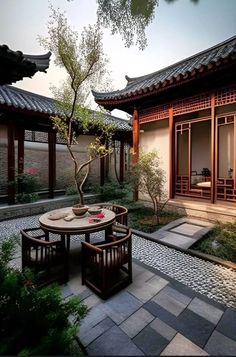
(156, 137)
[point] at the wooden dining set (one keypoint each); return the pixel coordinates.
(106, 265)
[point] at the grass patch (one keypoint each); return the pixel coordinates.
(220, 242)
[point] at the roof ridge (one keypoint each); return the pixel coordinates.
(130, 80)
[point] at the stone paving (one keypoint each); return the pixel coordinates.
(214, 281)
(176, 305)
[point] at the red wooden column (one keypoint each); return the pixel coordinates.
(171, 172)
(213, 148)
(11, 161)
(21, 139)
(122, 160)
(135, 153)
(51, 163)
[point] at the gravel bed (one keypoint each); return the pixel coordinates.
(214, 281)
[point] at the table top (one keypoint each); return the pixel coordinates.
(79, 224)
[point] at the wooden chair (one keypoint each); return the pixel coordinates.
(120, 211)
(107, 267)
(47, 259)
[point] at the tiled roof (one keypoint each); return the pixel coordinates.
(23, 100)
(187, 68)
(15, 65)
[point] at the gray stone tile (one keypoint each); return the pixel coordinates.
(150, 342)
(66, 291)
(171, 300)
(205, 310)
(145, 290)
(91, 301)
(113, 342)
(176, 294)
(137, 270)
(84, 294)
(94, 317)
(220, 345)
(186, 229)
(121, 306)
(181, 346)
(227, 324)
(178, 240)
(136, 322)
(143, 277)
(163, 329)
(194, 327)
(86, 336)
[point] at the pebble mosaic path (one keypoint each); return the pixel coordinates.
(212, 280)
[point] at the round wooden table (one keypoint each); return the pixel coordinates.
(79, 225)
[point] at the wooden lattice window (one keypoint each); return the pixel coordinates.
(225, 96)
(153, 114)
(192, 104)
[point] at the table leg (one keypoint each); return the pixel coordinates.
(68, 242)
(87, 237)
(108, 231)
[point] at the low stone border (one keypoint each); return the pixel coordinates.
(42, 206)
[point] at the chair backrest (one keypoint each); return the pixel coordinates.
(120, 211)
(107, 267)
(39, 254)
(109, 255)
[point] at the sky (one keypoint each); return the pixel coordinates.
(179, 30)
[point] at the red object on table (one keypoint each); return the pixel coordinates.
(100, 215)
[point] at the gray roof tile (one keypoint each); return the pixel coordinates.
(214, 54)
(19, 98)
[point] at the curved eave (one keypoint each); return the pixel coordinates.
(15, 65)
(116, 101)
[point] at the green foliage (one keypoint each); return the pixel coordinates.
(26, 182)
(27, 197)
(71, 190)
(221, 242)
(34, 321)
(130, 18)
(112, 189)
(150, 179)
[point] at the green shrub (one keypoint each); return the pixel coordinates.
(113, 189)
(27, 197)
(220, 241)
(71, 190)
(27, 182)
(34, 321)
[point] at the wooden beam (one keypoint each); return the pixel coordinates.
(51, 163)
(135, 156)
(11, 161)
(213, 146)
(122, 160)
(171, 138)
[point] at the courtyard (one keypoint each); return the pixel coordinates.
(177, 304)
